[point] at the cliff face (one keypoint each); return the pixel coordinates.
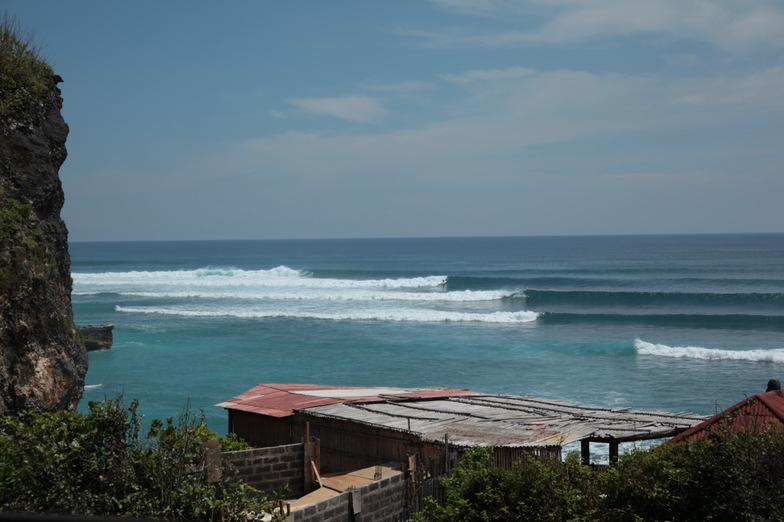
(43, 360)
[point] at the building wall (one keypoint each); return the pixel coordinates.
(271, 469)
(380, 501)
(348, 446)
(262, 430)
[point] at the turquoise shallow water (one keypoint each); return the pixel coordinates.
(680, 323)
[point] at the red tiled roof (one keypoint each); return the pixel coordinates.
(280, 400)
(759, 412)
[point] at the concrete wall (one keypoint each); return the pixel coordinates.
(270, 469)
(380, 501)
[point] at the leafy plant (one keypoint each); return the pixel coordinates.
(534, 489)
(728, 476)
(101, 463)
(24, 74)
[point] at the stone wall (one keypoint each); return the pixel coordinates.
(380, 501)
(272, 469)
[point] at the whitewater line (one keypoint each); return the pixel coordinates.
(775, 355)
(420, 316)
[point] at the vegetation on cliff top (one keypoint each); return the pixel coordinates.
(24, 77)
(24, 74)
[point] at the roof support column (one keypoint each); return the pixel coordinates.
(585, 450)
(613, 452)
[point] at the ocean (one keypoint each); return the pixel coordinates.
(677, 323)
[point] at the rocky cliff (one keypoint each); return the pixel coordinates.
(42, 355)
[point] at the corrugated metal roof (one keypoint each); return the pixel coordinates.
(280, 400)
(759, 412)
(468, 418)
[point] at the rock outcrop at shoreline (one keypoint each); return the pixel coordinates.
(98, 337)
(43, 360)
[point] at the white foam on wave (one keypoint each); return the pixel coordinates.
(710, 354)
(281, 283)
(398, 314)
(353, 294)
(281, 276)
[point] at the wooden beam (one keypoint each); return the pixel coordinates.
(318, 476)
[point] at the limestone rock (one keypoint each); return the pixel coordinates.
(43, 360)
(98, 337)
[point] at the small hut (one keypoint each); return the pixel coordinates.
(758, 413)
(360, 427)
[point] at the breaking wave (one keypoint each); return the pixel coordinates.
(709, 354)
(407, 315)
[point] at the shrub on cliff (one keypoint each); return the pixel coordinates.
(100, 463)
(731, 476)
(534, 489)
(24, 74)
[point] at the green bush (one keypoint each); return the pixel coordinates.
(729, 476)
(100, 463)
(24, 74)
(534, 489)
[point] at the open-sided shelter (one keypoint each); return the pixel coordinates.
(359, 427)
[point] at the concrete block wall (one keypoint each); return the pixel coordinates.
(381, 501)
(270, 469)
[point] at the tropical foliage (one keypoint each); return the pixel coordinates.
(101, 463)
(24, 74)
(729, 476)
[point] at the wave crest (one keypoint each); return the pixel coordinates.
(400, 315)
(709, 354)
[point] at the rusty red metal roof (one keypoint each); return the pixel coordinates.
(760, 412)
(280, 400)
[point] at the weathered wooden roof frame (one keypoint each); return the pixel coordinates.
(466, 417)
(507, 420)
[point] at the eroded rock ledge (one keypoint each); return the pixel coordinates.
(98, 337)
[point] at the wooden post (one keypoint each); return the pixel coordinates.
(309, 451)
(585, 450)
(613, 452)
(446, 453)
(312, 449)
(213, 461)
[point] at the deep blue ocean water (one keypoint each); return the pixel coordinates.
(677, 323)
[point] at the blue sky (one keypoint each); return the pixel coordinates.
(316, 119)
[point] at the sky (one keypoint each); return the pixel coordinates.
(343, 119)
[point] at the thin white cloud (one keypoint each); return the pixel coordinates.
(760, 89)
(400, 88)
(735, 27)
(359, 109)
(540, 108)
(488, 75)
